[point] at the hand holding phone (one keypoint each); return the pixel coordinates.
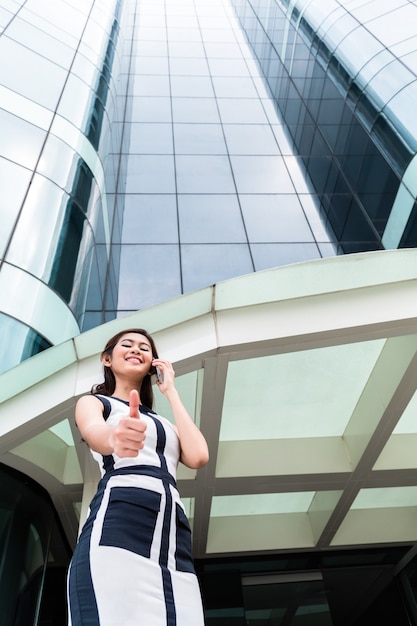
(159, 374)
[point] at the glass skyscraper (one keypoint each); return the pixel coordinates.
(245, 164)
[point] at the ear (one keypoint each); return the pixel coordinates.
(106, 360)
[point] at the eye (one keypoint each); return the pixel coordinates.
(145, 348)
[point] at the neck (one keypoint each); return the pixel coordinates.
(123, 388)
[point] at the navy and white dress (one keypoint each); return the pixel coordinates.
(132, 564)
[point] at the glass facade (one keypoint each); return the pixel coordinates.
(302, 590)
(34, 555)
(58, 167)
(166, 146)
(214, 188)
(343, 76)
(152, 148)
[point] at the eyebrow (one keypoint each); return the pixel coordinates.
(141, 343)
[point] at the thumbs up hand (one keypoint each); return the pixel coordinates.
(129, 435)
(134, 404)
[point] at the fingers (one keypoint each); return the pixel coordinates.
(129, 436)
(134, 404)
(166, 370)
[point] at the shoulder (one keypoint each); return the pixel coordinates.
(89, 401)
(92, 404)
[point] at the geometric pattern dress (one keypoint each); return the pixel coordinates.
(132, 565)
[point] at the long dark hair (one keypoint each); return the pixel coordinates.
(107, 387)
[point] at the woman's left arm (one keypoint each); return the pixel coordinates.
(194, 449)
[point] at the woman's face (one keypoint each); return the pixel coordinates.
(131, 356)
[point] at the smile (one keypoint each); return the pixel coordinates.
(134, 358)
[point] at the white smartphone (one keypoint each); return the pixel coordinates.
(159, 374)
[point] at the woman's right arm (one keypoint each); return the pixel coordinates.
(90, 421)
(125, 439)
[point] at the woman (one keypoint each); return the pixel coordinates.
(132, 564)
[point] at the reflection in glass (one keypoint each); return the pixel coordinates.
(268, 255)
(299, 600)
(150, 138)
(40, 41)
(275, 218)
(21, 141)
(35, 553)
(204, 174)
(14, 181)
(210, 219)
(250, 139)
(151, 109)
(18, 342)
(150, 174)
(199, 139)
(191, 86)
(207, 264)
(195, 110)
(241, 111)
(150, 219)
(156, 276)
(29, 78)
(261, 174)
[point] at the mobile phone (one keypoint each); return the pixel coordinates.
(159, 374)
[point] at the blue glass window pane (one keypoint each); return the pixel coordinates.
(151, 48)
(59, 20)
(184, 32)
(156, 278)
(222, 50)
(76, 103)
(18, 342)
(241, 111)
(402, 111)
(250, 139)
(151, 86)
(218, 35)
(228, 67)
(234, 87)
(14, 181)
(192, 49)
(59, 163)
(199, 139)
(188, 67)
(151, 109)
(273, 218)
(27, 74)
(204, 265)
(150, 219)
(152, 65)
(150, 138)
(191, 86)
(261, 174)
(268, 255)
(31, 247)
(393, 26)
(204, 174)
(195, 110)
(150, 174)
(389, 81)
(40, 41)
(20, 141)
(210, 219)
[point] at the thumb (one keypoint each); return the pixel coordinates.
(134, 404)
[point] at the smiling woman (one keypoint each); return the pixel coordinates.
(137, 529)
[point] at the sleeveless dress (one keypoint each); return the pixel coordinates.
(132, 564)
